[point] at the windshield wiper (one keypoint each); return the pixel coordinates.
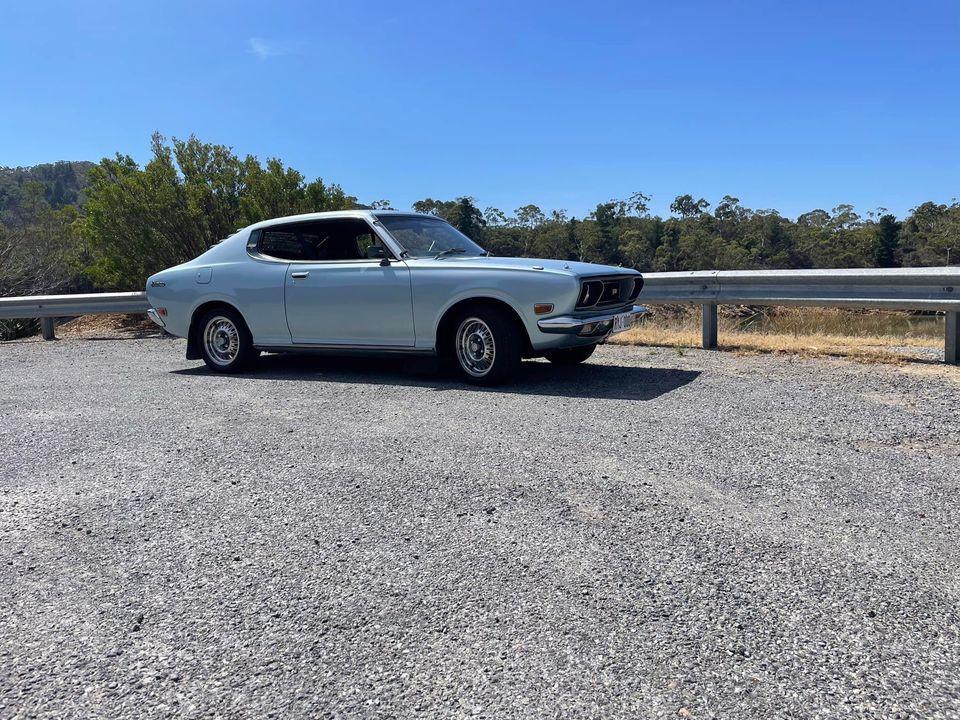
(449, 251)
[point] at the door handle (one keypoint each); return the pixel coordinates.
(300, 274)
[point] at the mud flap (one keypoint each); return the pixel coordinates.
(193, 347)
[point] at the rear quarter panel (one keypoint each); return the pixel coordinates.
(226, 274)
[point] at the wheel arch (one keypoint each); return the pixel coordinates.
(445, 327)
(193, 334)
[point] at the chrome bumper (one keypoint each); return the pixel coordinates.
(591, 326)
(155, 316)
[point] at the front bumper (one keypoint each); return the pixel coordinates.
(155, 316)
(590, 326)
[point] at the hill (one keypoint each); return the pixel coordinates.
(60, 184)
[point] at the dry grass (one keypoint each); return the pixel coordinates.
(884, 337)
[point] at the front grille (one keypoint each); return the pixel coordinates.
(609, 291)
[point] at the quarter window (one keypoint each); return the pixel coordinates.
(320, 240)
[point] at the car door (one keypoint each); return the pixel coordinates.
(343, 297)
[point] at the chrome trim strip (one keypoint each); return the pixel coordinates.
(334, 349)
(570, 325)
(155, 316)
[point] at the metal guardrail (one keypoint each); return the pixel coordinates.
(48, 307)
(935, 289)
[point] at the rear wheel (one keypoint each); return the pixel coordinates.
(487, 346)
(570, 356)
(225, 341)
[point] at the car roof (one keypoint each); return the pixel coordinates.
(334, 214)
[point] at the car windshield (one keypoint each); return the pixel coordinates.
(428, 237)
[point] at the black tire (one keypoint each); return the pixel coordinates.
(225, 342)
(486, 345)
(570, 356)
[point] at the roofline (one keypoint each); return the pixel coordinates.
(360, 213)
(407, 213)
(310, 216)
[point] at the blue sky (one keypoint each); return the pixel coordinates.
(786, 105)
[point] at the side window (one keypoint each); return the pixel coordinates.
(320, 240)
(282, 244)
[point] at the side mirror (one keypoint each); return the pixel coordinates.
(375, 252)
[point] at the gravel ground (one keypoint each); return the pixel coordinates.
(649, 535)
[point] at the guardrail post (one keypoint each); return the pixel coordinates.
(951, 347)
(46, 327)
(709, 326)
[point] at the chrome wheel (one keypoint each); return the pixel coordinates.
(221, 340)
(476, 349)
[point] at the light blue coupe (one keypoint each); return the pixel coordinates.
(387, 282)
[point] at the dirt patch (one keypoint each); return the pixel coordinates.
(951, 373)
(947, 446)
(891, 400)
(98, 327)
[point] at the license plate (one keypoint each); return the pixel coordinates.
(621, 322)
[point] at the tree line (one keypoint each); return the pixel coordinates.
(108, 226)
(698, 236)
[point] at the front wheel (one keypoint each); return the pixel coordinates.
(570, 356)
(487, 346)
(225, 341)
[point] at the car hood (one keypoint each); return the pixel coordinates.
(567, 267)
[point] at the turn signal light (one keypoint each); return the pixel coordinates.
(543, 308)
(596, 328)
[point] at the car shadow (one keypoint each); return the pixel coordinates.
(610, 382)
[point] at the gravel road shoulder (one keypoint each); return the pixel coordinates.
(653, 534)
